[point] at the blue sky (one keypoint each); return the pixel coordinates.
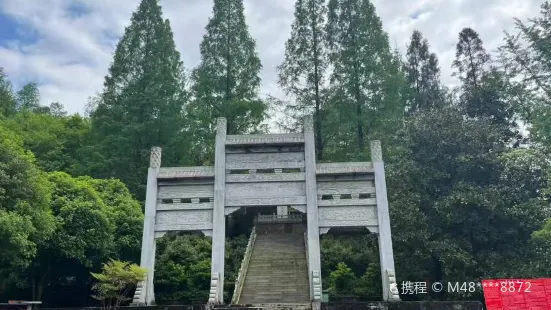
(66, 45)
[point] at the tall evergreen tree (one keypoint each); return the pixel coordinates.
(481, 84)
(526, 59)
(28, 98)
(422, 74)
(302, 73)
(7, 98)
(227, 81)
(142, 102)
(366, 80)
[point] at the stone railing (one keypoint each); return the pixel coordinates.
(243, 270)
(306, 247)
(213, 293)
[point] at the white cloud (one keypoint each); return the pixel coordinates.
(73, 51)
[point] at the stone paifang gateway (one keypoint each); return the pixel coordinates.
(266, 171)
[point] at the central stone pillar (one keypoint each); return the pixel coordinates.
(148, 238)
(218, 215)
(314, 261)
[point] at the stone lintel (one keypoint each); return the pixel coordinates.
(269, 139)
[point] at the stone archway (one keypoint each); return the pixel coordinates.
(276, 170)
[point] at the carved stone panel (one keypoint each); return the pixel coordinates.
(186, 172)
(347, 216)
(155, 157)
(265, 190)
(186, 191)
(243, 149)
(184, 220)
(337, 203)
(267, 158)
(265, 177)
(376, 151)
(292, 138)
(274, 201)
(184, 206)
(346, 187)
(265, 165)
(344, 168)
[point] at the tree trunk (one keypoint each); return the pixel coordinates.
(318, 119)
(228, 91)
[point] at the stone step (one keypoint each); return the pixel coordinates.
(274, 275)
(277, 275)
(259, 287)
(277, 299)
(263, 257)
(285, 306)
(268, 294)
(293, 263)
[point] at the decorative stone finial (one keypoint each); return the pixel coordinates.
(309, 123)
(376, 151)
(155, 159)
(221, 126)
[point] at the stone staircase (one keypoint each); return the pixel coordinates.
(277, 272)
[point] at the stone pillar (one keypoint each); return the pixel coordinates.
(148, 239)
(385, 240)
(218, 216)
(314, 262)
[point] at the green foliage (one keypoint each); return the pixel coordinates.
(466, 201)
(25, 218)
(458, 210)
(16, 232)
(542, 241)
(141, 104)
(28, 98)
(124, 213)
(364, 67)
(227, 81)
(342, 280)
(303, 71)
(84, 232)
(482, 86)
(235, 251)
(183, 268)
(115, 282)
(56, 141)
(357, 252)
(525, 59)
(422, 75)
(7, 97)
